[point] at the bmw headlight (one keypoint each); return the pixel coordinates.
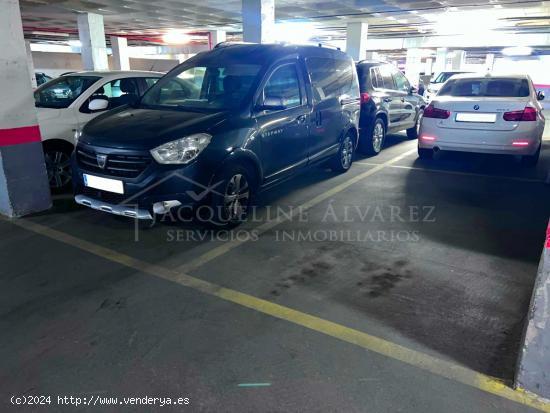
(181, 151)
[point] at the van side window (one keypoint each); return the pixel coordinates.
(330, 78)
(284, 86)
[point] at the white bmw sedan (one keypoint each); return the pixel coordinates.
(486, 114)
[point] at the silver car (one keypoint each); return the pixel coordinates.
(486, 114)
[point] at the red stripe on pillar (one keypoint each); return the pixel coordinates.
(16, 136)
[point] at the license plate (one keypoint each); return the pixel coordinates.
(105, 184)
(476, 117)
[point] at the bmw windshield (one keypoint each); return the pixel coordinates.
(61, 92)
(207, 88)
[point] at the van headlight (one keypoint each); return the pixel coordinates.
(181, 151)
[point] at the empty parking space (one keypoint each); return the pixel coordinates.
(440, 264)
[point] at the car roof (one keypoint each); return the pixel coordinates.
(117, 73)
(254, 53)
(490, 76)
(372, 63)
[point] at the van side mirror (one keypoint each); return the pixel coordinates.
(96, 105)
(271, 103)
(413, 90)
(540, 95)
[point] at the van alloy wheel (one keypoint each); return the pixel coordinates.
(236, 197)
(58, 166)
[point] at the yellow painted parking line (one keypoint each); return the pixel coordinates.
(443, 171)
(271, 223)
(366, 341)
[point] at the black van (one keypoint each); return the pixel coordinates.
(388, 104)
(218, 128)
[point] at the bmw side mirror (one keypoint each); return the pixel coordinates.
(96, 105)
(540, 95)
(271, 103)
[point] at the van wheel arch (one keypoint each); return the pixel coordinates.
(245, 161)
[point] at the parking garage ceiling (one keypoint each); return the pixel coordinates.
(144, 20)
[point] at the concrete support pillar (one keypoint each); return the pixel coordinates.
(413, 66)
(428, 66)
(258, 21)
(457, 59)
(490, 61)
(356, 40)
(373, 56)
(92, 36)
(121, 59)
(24, 185)
(30, 64)
(440, 60)
(217, 36)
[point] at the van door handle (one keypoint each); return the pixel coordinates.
(301, 119)
(387, 100)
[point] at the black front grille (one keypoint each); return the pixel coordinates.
(124, 166)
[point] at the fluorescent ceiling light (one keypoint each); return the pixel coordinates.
(470, 23)
(56, 34)
(175, 37)
(517, 51)
(295, 32)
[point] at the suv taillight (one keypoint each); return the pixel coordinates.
(432, 112)
(365, 97)
(528, 114)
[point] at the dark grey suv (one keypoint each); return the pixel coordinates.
(388, 104)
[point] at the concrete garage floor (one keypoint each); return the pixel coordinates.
(87, 311)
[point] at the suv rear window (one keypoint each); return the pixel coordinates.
(503, 87)
(331, 77)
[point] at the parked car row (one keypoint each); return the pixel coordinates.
(242, 117)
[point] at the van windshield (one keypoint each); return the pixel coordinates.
(203, 87)
(503, 87)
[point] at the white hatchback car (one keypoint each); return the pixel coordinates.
(65, 104)
(486, 114)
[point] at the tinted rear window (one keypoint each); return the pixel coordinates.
(486, 88)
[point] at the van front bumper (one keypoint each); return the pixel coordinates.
(157, 189)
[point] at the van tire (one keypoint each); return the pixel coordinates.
(531, 161)
(231, 200)
(343, 160)
(371, 143)
(412, 133)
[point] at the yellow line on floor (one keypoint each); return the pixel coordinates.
(394, 351)
(443, 171)
(271, 223)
